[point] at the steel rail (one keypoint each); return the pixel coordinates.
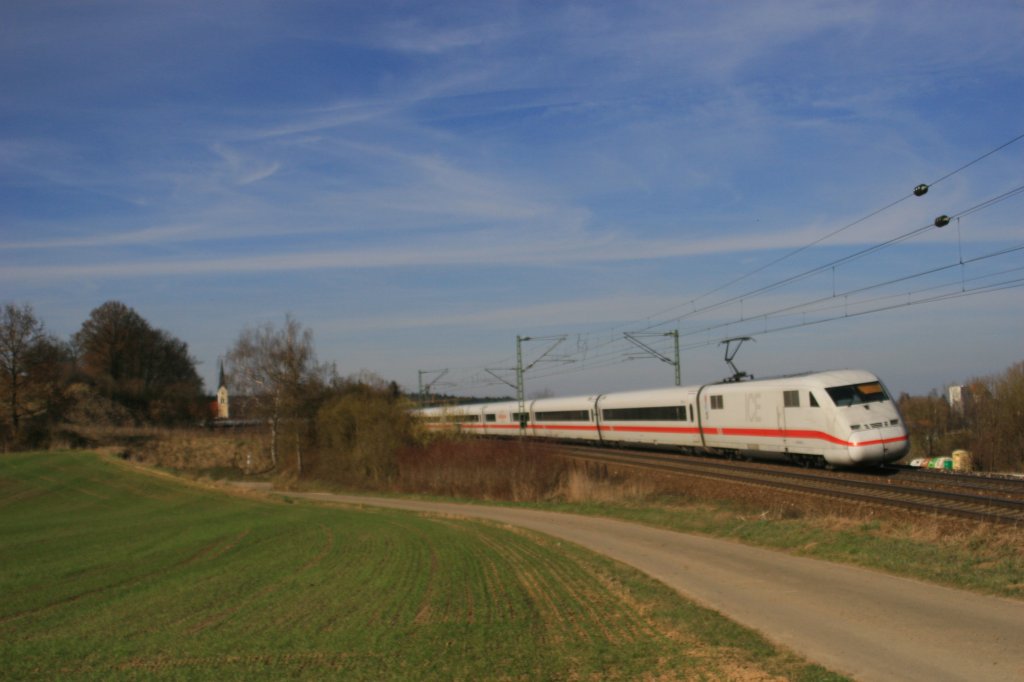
(976, 507)
(953, 479)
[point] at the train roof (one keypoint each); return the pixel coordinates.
(822, 379)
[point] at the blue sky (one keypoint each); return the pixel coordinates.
(419, 183)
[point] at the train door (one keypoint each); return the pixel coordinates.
(782, 425)
(793, 415)
(597, 419)
(766, 422)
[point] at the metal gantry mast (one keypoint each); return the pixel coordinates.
(425, 388)
(521, 369)
(633, 337)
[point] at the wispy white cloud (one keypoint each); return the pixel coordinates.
(91, 239)
(568, 311)
(531, 248)
(335, 116)
(413, 35)
(243, 170)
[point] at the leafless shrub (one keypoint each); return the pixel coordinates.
(481, 469)
(989, 422)
(997, 419)
(359, 434)
(928, 418)
(582, 485)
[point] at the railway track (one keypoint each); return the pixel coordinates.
(1009, 487)
(971, 497)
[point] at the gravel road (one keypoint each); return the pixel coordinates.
(865, 624)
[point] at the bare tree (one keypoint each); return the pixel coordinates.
(19, 332)
(277, 370)
(928, 419)
(996, 417)
(30, 367)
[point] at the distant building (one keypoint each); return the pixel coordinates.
(223, 407)
(958, 396)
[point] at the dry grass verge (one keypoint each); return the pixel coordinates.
(224, 452)
(514, 471)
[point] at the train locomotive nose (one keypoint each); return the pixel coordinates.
(878, 445)
(867, 447)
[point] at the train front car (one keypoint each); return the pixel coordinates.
(837, 418)
(866, 419)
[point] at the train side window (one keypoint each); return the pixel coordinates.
(661, 413)
(563, 416)
(791, 398)
(814, 401)
(717, 402)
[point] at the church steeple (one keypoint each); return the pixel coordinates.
(223, 409)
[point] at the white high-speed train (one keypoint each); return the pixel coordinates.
(838, 418)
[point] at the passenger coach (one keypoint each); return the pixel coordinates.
(840, 418)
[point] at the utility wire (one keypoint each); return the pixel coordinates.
(840, 230)
(750, 294)
(845, 296)
(614, 356)
(882, 304)
(983, 156)
(846, 259)
(615, 353)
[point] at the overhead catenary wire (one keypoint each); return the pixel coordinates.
(789, 280)
(903, 299)
(842, 300)
(883, 304)
(608, 351)
(832, 298)
(836, 262)
(844, 259)
(842, 229)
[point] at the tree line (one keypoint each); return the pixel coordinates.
(988, 421)
(119, 370)
(319, 422)
(116, 368)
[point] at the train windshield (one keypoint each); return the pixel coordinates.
(857, 394)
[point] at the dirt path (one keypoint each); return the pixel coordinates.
(865, 624)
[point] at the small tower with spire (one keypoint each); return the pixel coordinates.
(223, 409)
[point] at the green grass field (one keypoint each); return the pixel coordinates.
(109, 573)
